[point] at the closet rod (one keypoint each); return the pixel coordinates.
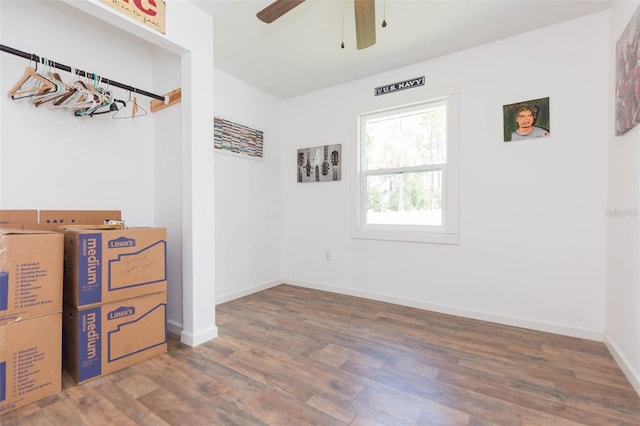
(35, 58)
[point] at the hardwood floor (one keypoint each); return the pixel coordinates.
(295, 356)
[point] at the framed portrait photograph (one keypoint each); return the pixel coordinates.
(526, 120)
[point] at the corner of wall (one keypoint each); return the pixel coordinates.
(623, 363)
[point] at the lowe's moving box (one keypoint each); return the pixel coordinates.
(101, 339)
(105, 265)
(30, 361)
(30, 274)
(30, 316)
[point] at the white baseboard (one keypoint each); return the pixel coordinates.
(195, 339)
(174, 327)
(623, 363)
(483, 316)
(202, 337)
(247, 291)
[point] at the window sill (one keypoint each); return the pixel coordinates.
(414, 236)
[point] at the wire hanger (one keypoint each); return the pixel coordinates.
(136, 110)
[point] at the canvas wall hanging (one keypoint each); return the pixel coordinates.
(237, 138)
(320, 163)
(628, 76)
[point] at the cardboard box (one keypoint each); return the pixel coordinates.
(107, 265)
(51, 219)
(102, 339)
(31, 267)
(30, 361)
(16, 219)
(19, 216)
(10, 225)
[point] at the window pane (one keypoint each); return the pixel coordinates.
(414, 138)
(405, 198)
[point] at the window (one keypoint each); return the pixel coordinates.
(408, 173)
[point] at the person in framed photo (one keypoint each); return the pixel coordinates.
(525, 116)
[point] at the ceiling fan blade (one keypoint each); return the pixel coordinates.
(365, 23)
(276, 10)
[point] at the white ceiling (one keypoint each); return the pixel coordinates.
(300, 52)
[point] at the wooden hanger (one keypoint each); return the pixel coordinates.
(41, 85)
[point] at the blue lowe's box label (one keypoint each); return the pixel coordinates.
(121, 312)
(122, 242)
(3, 380)
(89, 343)
(90, 268)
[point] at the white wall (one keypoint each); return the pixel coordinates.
(532, 245)
(168, 182)
(623, 230)
(53, 160)
(248, 195)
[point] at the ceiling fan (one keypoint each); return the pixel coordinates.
(365, 18)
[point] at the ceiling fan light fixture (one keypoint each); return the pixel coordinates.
(342, 22)
(384, 13)
(365, 14)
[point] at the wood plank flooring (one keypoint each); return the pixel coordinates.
(295, 356)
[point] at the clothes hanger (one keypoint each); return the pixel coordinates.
(136, 110)
(60, 89)
(107, 98)
(88, 98)
(72, 92)
(81, 97)
(113, 107)
(98, 92)
(40, 84)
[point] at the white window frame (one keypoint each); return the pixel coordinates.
(448, 232)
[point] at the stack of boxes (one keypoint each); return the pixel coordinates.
(30, 316)
(115, 298)
(103, 311)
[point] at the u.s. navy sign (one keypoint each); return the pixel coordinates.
(402, 85)
(150, 12)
